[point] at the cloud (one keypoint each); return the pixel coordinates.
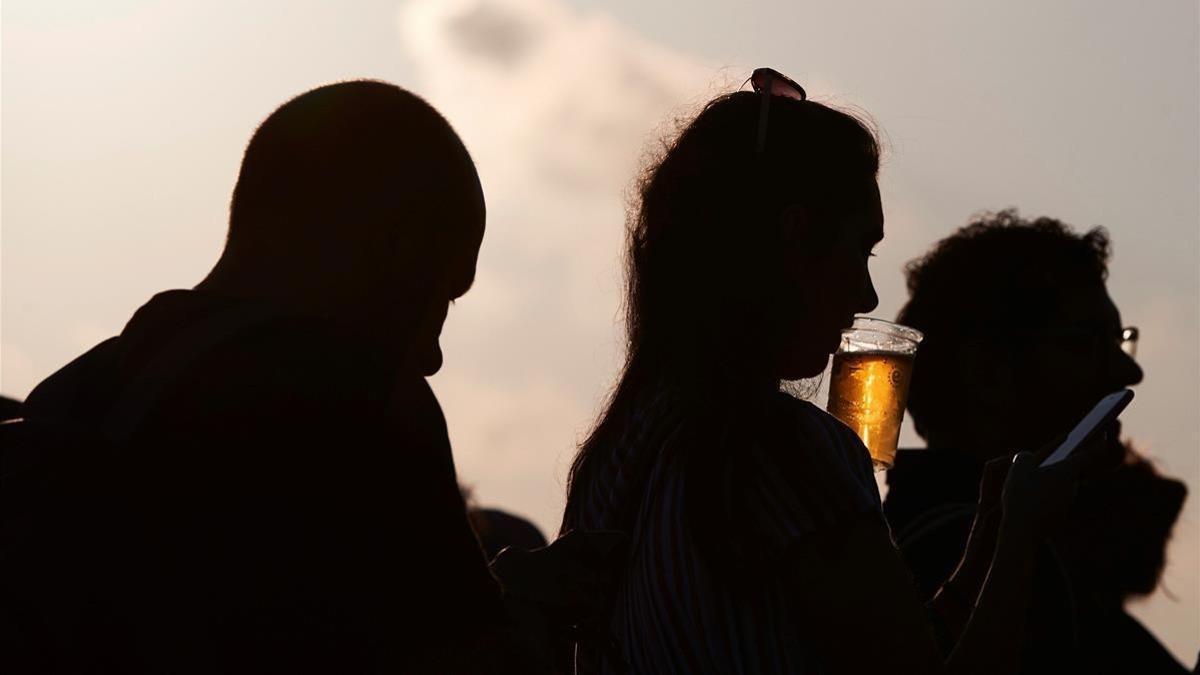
(557, 107)
(544, 92)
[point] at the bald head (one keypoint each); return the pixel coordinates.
(355, 200)
(352, 156)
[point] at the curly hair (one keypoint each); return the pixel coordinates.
(997, 277)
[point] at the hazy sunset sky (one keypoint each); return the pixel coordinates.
(123, 124)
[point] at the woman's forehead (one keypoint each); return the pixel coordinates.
(865, 215)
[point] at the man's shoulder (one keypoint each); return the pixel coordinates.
(256, 356)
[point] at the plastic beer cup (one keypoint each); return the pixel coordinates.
(869, 388)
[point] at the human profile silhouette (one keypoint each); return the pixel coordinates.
(357, 202)
(254, 475)
(1021, 339)
(757, 539)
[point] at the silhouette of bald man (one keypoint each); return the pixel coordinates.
(276, 492)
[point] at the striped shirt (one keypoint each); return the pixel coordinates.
(700, 600)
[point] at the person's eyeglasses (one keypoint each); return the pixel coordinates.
(1090, 341)
(1129, 340)
(770, 82)
(1126, 339)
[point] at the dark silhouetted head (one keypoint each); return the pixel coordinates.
(1115, 539)
(743, 266)
(1021, 337)
(358, 201)
(498, 529)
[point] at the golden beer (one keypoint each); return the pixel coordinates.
(869, 386)
(868, 393)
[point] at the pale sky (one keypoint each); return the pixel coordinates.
(123, 124)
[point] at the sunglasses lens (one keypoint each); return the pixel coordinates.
(760, 79)
(766, 79)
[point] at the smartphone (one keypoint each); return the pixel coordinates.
(1105, 411)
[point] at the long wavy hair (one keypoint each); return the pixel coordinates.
(705, 253)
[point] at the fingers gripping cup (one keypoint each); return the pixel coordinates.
(869, 388)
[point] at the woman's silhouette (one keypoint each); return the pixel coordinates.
(757, 541)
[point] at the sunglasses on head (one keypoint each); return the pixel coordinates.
(770, 82)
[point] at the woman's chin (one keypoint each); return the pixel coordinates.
(804, 367)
